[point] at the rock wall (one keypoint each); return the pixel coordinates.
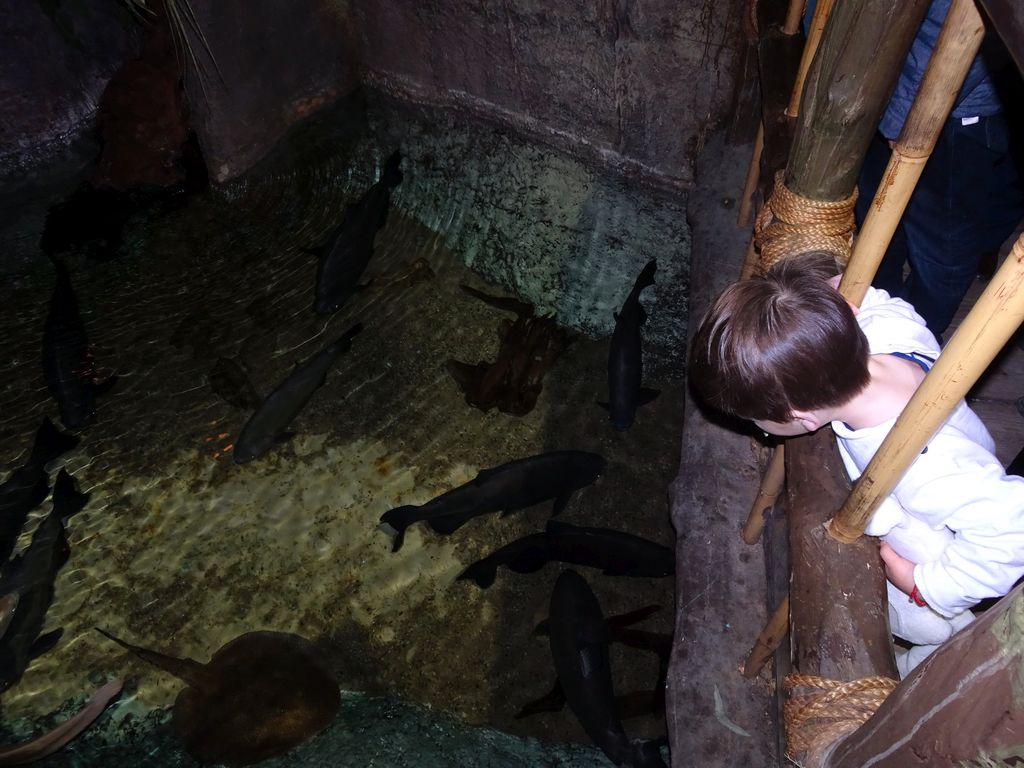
(263, 68)
(631, 83)
(57, 59)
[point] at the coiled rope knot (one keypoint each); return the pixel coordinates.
(790, 224)
(832, 709)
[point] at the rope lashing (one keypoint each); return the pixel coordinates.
(834, 709)
(790, 224)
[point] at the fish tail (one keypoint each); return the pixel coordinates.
(482, 572)
(646, 276)
(66, 495)
(392, 174)
(391, 523)
(50, 443)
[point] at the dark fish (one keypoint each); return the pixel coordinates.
(32, 576)
(628, 705)
(349, 248)
(67, 360)
(579, 640)
(271, 419)
(625, 358)
(229, 381)
(29, 485)
(510, 487)
(615, 552)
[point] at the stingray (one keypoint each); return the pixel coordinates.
(261, 694)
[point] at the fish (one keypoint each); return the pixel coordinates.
(32, 576)
(628, 705)
(625, 357)
(267, 425)
(29, 485)
(228, 379)
(507, 488)
(68, 365)
(617, 553)
(57, 738)
(344, 257)
(579, 639)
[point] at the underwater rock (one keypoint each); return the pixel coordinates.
(529, 347)
(261, 694)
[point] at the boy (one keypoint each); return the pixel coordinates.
(787, 352)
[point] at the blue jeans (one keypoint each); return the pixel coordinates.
(968, 201)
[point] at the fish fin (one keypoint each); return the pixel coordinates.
(555, 527)
(646, 276)
(633, 617)
(393, 527)
(392, 175)
(67, 496)
(647, 395)
(553, 701)
(446, 524)
(51, 443)
(604, 405)
(45, 643)
(105, 386)
(560, 502)
(364, 286)
(482, 572)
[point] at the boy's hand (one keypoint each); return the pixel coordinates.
(898, 570)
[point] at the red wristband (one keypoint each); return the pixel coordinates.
(915, 597)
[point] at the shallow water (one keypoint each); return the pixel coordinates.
(181, 550)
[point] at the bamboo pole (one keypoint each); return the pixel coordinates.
(771, 636)
(954, 51)
(771, 486)
(821, 13)
(753, 174)
(986, 329)
(790, 27)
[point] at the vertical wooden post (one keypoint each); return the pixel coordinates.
(860, 57)
(954, 51)
(986, 329)
(839, 626)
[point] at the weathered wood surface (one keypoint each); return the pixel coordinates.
(964, 705)
(721, 603)
(839, 618)
(859, 59)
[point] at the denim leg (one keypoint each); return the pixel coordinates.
(889, 276)
(948, 221)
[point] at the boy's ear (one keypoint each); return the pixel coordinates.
(810, 420)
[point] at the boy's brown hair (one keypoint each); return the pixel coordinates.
(780, 342)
